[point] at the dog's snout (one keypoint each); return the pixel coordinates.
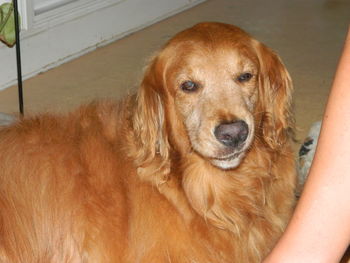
(232, 134)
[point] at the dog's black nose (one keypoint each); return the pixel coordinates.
(232, 134)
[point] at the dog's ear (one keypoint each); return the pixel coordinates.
(275, 97)
(149, 125)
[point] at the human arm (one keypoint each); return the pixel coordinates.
(319, 230)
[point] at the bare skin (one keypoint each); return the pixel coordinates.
(319, 230)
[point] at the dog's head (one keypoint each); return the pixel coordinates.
(213, 90)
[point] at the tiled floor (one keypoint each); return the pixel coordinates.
(308, 35)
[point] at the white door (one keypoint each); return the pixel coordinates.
(55, 31)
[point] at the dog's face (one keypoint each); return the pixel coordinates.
(215, 93)
(218, 90)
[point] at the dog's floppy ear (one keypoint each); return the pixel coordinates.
(275, 97)
(149, 125)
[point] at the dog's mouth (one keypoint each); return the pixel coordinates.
(229, 157)
(228, 162)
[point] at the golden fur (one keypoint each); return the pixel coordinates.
(145, 180)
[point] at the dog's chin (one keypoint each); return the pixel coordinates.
(228, 163)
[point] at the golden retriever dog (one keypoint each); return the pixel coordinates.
(196, 167)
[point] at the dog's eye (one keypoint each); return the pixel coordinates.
(244, 77)
(189, 86)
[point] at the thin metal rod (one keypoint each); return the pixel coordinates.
(18, 56)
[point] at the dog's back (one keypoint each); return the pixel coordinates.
(56, 179)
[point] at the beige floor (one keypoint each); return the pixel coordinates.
(308, 35)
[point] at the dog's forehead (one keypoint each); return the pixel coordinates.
(207, 46)
(227, 56)
(222, 59)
